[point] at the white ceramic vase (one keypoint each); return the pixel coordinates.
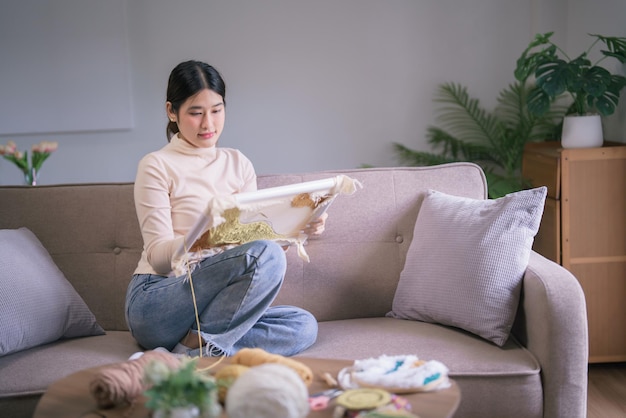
(582, 132)
(191, 411)
(180, 412)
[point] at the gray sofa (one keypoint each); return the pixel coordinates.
(92, 234)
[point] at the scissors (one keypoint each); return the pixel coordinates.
(320, 400)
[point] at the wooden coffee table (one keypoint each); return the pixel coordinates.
(70, 396)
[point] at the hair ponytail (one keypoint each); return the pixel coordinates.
(171, 130)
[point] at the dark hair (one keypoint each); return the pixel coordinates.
(187, 79)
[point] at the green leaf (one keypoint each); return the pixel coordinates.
(461, 114)
(538, 102)
(522, 126)
(501, 185)
(595, 81)
(616, 47)
(411, 158)
(605, 104)
(553, 77)
(528, 62)
(182, 387)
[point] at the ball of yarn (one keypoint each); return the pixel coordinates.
(256, 356)
(121, 383)
(226, 376)
(270, 390)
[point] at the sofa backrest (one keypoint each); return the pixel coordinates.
(92, 233)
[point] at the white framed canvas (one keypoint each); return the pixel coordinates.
(277, 213)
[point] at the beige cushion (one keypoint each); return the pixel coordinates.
(465, 264)
(37, 304)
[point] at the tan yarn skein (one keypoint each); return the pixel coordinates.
(256, 356)
(226, 376)
(121, 383)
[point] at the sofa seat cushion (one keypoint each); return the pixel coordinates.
(475, 364)
(30, 371)
(464, 353)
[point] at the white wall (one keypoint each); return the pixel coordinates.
(313, 85)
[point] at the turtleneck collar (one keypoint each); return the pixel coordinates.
(184, 147)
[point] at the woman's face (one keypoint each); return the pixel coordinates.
(200, 119)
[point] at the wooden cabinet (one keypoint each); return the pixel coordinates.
(584, 229)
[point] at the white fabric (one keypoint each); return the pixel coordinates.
(465, 265)
(400, 373)
(273, 207)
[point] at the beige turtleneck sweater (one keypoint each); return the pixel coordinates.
(172, 188)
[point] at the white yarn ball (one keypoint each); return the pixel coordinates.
(269, 390)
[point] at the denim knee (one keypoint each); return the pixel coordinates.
(270, 255)
(308, 332)
(274, 251)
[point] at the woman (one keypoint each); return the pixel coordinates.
(234, 286)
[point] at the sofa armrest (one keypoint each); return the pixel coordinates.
(552, 324)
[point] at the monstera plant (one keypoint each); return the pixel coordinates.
(592, 87)
(594, 92)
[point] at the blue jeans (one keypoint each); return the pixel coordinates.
(234, 291)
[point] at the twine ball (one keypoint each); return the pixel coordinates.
(269, 390)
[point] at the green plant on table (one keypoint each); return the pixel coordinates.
(180, 388)
(592, 88)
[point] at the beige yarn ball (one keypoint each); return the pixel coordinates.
(269, 390)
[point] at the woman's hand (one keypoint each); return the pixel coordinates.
(317, 226)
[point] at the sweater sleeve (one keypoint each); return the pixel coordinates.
(248, 175)
(154, 213)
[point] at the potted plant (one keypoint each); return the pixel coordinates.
(594, 91)
(181, 393)
(30, 168)
(493, 139)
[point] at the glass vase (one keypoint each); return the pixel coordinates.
(30, 177)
